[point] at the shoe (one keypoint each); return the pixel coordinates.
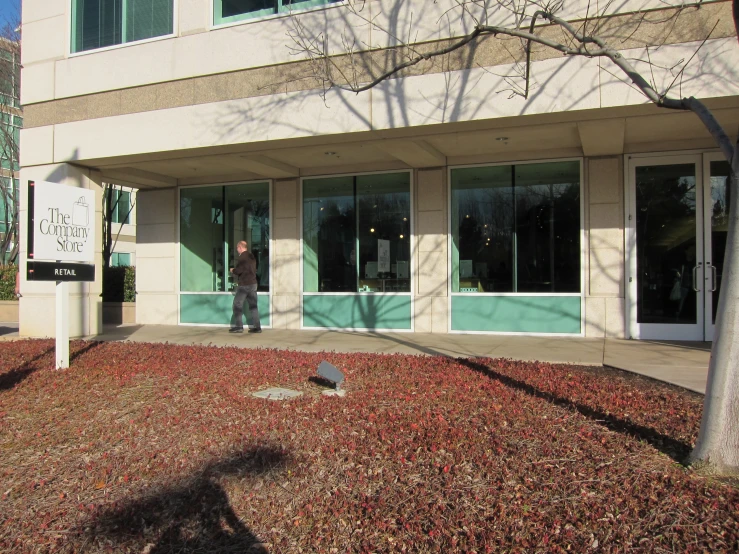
(235, 330)
(256, 330)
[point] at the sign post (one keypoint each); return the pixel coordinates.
(61, 246)
(62, 325)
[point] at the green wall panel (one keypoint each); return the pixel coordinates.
(516, 314)
(215, 309)
(358, 311)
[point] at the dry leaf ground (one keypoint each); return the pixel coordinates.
(160, 448)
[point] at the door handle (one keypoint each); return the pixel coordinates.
(694, 278)
(713, 278)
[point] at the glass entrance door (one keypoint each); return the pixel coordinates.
(716, 216)
(667, 277)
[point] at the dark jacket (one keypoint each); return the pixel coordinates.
(246, 269)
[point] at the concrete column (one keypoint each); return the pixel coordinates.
(37, 308)
(286, 255)
(431, 300)
(156, 257)
(605, 258)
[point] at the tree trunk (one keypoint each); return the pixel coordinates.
(718, 442)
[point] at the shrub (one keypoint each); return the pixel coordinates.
(7, 282)
(119, 284)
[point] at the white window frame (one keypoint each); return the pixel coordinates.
(70, 54)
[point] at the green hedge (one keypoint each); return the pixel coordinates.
(119, 284)
(7, 282)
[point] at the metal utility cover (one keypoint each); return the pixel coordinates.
(277, 393)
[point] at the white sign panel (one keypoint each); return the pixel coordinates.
(64, 223)
(383, 256)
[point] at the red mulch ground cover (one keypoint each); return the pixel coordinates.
(159, 448)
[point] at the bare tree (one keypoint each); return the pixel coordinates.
(112, 205)
(530, 28)
(10, 123)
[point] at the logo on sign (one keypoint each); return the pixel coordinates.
(69, 227)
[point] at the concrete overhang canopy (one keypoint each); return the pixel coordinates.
(415, 153)
(269, 167)
(137, 178)
(603, 137)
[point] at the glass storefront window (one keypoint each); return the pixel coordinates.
(356, 233)
(516, 228)
(212, 221)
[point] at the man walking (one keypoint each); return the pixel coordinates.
(245, 273)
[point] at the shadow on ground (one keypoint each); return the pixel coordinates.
(6, 329)
(11, 378)
(194, 516)
(677, 450)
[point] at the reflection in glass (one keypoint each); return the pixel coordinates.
(247, 218)
(201, 239)
(329, 235)
(666, 243)
(516, 228)
(384, 233)
(719, 226)
(212, 221)
(356, 233)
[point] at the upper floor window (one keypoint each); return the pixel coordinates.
(121, 201)
(101, 23)
(229, 11)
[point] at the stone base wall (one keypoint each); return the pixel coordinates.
(8, 310)
(117, 313)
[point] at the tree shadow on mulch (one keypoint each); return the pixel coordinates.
(11, 378)
(194, 516)
(677, 450)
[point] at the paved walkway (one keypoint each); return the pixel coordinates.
(681, 363)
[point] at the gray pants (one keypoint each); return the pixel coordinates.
(248, 293)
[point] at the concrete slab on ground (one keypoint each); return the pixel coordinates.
(681, 363)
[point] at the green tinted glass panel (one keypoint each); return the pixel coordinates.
(358, 311)
(246, 218)
(101, 23)
(202, 240)
(212, 221)
(517, 314)
(229, 11)
(329, 235)
(147, 19)
(216, 309)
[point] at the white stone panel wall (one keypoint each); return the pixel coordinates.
(238, 121)
(605, 250)
(286, 255)
(713, 73)
(156, 257)
(431, 252)
(201, 49)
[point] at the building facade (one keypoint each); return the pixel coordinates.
(11, 121)
(439, 201)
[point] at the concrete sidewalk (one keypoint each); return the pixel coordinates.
(681, 363)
